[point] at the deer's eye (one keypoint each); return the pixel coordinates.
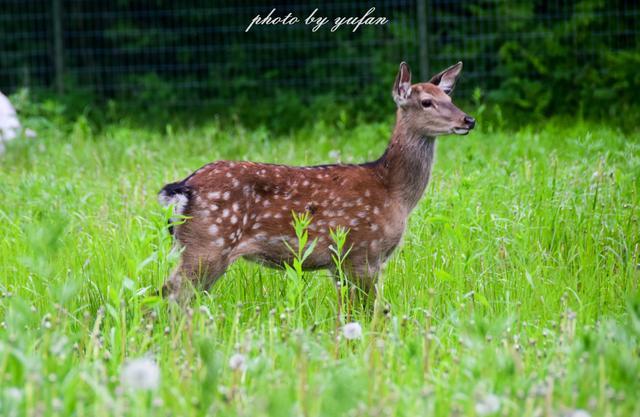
(426, 103)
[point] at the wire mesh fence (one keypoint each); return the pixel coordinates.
(200, 50)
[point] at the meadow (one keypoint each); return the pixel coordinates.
(515, 292)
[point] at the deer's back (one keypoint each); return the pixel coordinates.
(245, 209)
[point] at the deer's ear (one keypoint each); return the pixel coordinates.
(446, 79)
(402, 86)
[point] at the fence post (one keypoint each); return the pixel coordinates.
(423, 40)
(58, 48)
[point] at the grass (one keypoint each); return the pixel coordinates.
(515, 291)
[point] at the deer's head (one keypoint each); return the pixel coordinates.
(426, 108)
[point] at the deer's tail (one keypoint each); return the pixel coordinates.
(179, 194)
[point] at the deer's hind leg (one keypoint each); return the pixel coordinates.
(361, 277)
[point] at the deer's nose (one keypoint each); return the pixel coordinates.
(470, 121)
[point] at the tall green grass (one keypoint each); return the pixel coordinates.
(515, 291)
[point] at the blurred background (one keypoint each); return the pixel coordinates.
(524, 60)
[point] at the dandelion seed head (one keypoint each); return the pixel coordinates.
(578, 413)
(238, 362)
(140, 374)
(352, 331)
(488, 405)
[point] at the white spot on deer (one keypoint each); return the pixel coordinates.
(266, 215)
(260, 236)
(376, 210)
(245, 218)
(242, 246)
(225, 213)
(219, 242)
(305, 183)
(353, 222)
(362, 214)
(228, 175)
(332, 223)
(278, 216)
(256, 226)
(374, 227)
(214, 207)
(219, 220)
(234, 220)
(213, 230)
(359, 200)
(258, 198)
(235, 183)
(266, 203)
(235, 206)
(246, 190)
(367, 193)
(226, 195)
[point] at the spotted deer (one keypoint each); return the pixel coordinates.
(244, 209)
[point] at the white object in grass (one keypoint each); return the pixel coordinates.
(140, 374)
(238, 362)
(352, 331)
(488, 405)
(10, 127)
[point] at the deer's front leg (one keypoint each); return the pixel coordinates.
(196, 270)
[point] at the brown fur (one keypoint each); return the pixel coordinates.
(243, 209)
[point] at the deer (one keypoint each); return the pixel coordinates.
(239, 209)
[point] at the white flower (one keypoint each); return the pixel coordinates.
(238, 362)
(140, 374)
(488, 405)
(13, 393)
(578, 413)
(352, 331)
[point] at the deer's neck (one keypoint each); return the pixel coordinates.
(406, 164)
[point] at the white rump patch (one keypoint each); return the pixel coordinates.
(178, 200)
